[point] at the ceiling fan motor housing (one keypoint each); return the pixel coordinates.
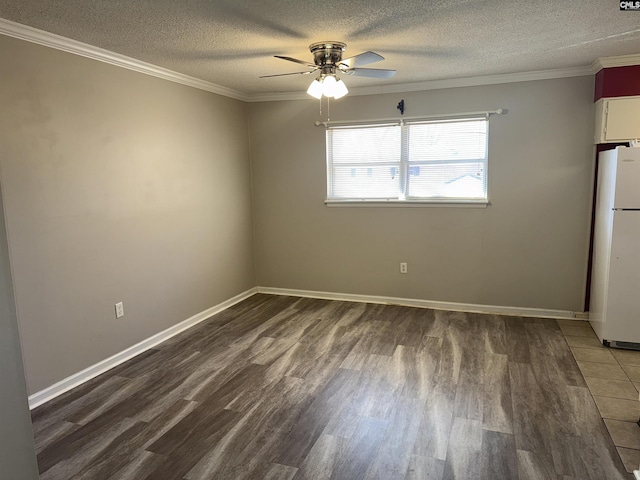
(327, 55)
(328, 61)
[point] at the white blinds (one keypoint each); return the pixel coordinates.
(447, 159)
(421, 160)
(363, 160)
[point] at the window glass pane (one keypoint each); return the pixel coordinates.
(447, 180)
(459, 140)
(365, 145)
(366, 181)
(444, 159)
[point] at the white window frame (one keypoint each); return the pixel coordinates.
(404, 164)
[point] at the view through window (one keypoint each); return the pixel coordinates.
(420, 161)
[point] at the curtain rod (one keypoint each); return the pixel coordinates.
(500, 111)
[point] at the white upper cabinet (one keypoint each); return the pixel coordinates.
(617, 119)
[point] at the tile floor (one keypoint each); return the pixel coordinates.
(613, 378)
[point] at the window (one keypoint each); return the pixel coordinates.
(417, 161)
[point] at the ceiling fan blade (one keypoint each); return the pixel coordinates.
(295, 60)
(284, 74)
(362, 59)
(370, 72)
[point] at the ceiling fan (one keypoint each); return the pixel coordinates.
(328, 61)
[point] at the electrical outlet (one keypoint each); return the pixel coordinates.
(403, 267)
(119, 310)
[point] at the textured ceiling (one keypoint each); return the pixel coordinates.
(232, 42)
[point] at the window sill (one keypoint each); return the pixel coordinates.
(408, 203)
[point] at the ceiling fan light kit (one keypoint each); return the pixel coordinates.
(329, 86)
(327, 59)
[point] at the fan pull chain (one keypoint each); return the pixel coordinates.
(328, 108)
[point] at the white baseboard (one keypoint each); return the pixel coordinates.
(409, 302)
(79, 378)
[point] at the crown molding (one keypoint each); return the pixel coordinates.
(439, 84)
(34, 35)
(619, 61)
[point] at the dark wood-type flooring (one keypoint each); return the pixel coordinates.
(279, 387)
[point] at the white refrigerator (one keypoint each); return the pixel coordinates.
(614, 311)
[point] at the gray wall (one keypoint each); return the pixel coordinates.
(17, 448)
(529, 248)
(118, 187)
(123, 187)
